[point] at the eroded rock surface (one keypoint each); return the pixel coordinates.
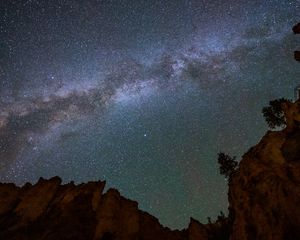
(264, 193)
(50, 210)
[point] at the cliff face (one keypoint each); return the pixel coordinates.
(264, 194)
(49, 210)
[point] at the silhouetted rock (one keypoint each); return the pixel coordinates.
(297, 55)
(264, 194)
(197, 230)
(296, 28)
(49, 210)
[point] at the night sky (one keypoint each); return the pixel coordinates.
(143, 94)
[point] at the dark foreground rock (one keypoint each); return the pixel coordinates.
(264, 194)
(296, 30)
(50, 210)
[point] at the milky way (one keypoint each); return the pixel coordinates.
(143, 94)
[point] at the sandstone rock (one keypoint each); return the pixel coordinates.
(36, 200)
(49, 210)
(197, 231)
(150, 228)
(264, 194)
(117, 217)
(292, 115)
(8, 197)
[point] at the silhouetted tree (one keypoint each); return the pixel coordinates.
(221, 217)
(219, 229)
(273, 114)
(227, 164)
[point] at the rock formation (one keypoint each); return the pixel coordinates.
(264, 193)
(50, 210)
(296, 30)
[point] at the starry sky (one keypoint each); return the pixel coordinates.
(143, 94)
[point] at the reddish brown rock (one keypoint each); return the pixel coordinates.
(197, 230)
(150, 228)
(117, 217)
(51, 211)
(9, 197)
(35, 201)
(264, 193)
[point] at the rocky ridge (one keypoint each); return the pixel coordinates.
(50, 210)
(264, 193)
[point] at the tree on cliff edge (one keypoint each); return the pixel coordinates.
(273, 114)
(227, 164)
